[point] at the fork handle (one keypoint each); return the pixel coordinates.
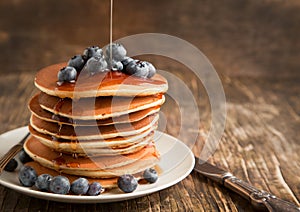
(12, 153)
(9, 155)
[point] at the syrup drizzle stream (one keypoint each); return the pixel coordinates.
(57, 107)
(110, 32)
(110, 27)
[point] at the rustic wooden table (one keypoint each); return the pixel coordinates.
(254, 46)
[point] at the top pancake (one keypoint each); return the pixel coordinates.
(112, 83)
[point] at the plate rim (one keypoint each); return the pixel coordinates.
(189, 158)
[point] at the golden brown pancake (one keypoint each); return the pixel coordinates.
(106, 183)
(101, 84)
(117, 142)
(94, 147)
(38, 111)
(98, 108)
(102, 166)
(92, 132)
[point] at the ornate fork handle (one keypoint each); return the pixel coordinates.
(12, 153)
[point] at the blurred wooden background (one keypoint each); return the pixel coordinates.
(241, 38)
(254, 46)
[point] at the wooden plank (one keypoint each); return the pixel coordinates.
(252, 148)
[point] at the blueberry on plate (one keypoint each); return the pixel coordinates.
(95, 189)
(77, 62)
(59, 185)
(95, 65)
(150, 175)
(127, 183)
(67, 74)
(116, 51)
(92, 51)
(11, 165)
(80, 186)
(27, 176)
(24, 157)
(43, 182)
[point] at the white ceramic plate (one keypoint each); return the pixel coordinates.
(177, 161)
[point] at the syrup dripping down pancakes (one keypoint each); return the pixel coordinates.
(99, 127)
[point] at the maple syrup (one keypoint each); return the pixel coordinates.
(59, 161)
(59, 105)
(73, 165)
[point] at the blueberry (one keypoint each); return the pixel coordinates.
(94, 189)
(142, 69)
(95, 64)
(118, 51)
(59, 185)
(11, 165)
(67, 74)
(24, 157)
(116, 65)
(152, 70)
(77, 62)
(150, 175)
(27, 176)
(139, 68)
(80, 186)
(92, 51)
(127, 183)
(43, 181)
(131, 67)
(126, 61)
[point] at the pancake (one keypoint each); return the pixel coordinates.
(94, 152)
(92, 132)
(112, 83)
(97, 108)
(93, 147)
(106, 183)
(104, 166)
(39, 112)
(138, 166)
(71, 145)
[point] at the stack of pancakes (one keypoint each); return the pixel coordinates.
(100, 127)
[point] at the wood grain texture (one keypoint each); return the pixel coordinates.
(254, 47)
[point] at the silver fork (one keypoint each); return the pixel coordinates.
(12, 153)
